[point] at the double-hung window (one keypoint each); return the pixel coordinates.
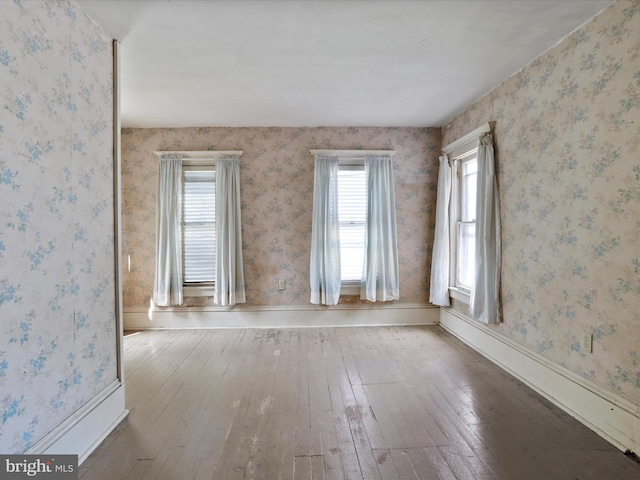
(198, 205)
(353, 236)
(352, 212)
(467, 248)
(198, 228)
(465, 170)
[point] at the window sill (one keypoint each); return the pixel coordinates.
(198, 290)
(460, 295)
(350, 288)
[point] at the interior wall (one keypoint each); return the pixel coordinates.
(57, 288)
(567, 139)
(276, 177)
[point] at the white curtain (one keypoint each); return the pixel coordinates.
(167, 286)
(325, 233)
(380, 280)
(485, 305)
(439, 289)
(229, 287)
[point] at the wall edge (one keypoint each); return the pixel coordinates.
(83, 431)
(612, 417)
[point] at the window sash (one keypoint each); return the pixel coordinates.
(463, 213)
(469, 182)
(352, 212)
(466, 241)
(199, 225)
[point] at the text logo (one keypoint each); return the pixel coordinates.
(50, 467)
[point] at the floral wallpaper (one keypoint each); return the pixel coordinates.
(276, 176)
(57, 290)
(567, 138)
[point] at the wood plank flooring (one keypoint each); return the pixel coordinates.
(337, 403)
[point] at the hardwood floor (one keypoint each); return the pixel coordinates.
(337, 403)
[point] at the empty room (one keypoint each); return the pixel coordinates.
(320, 239)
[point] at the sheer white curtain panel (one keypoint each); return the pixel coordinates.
(439, 287)
(167, 287)
(485, 302)
(380, 279)
(325, 233)
(229, 286)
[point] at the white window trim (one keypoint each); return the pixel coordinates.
(198, 158)
(459, 294)
(351, 287)
(198, 290)
(455, 150)
(203, 289)
(456, 213)
(354, 158)
(345, 155)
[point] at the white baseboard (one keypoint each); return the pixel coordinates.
(81, 433)
(612, 417)
(281, 316)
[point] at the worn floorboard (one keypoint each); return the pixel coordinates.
(337, 403)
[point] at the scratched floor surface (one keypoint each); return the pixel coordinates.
(337, 403)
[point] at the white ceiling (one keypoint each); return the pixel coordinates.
(325, 62)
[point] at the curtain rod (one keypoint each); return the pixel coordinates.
(352, 153)
(199, 154)
(486, 128)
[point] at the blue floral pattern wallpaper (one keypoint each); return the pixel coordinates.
(276, 182)
(57, 287)
(568, 157)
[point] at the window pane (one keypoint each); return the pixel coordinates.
(466, 254)
(352, 211)
(351, 250)
(468, 194)
(199, 226)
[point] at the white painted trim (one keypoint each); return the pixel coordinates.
(350, 288)
(198, 291)
(459, 294)
(469, 137)
(83, 431)
(200, 154)
(612, 417)
(117, 206)
(352, 153)
(281, 316)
